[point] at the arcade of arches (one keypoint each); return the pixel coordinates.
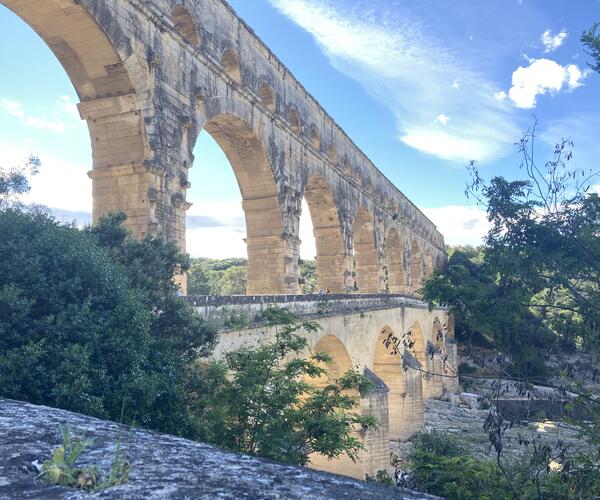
(151, 76)
(407, 351)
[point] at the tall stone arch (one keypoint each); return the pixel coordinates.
(260, 202)
(331, 259)
(100, 69)
(366, 262)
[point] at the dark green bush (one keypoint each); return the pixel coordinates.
(90, 321)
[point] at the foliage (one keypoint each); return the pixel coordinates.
(591, 41)
(217, 277)
(271, 402)
(536, 289)
(381, 477)
(229, 277)
(438, 465)
(14, 181)
(538, 282)
(90, 321)
(235, 320)
(490, 313)
(308, 275)
(62, 469)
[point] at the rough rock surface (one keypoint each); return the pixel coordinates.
(162, 466)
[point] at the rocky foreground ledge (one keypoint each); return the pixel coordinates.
(162, 466)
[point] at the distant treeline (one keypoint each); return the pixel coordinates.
(229, 276)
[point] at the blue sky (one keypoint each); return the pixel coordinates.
(422, 87)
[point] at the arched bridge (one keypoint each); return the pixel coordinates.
(152, 74)
(407, 349)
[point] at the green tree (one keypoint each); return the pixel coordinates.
(15, 181)
(308, 274)
(217, 277)
(441, 466)
(90, 321)
(232, 281)
(591, 41)
(264, 400)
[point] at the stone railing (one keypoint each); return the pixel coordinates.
(240, 309)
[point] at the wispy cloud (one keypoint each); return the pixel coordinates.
(65, 115)
(540, 77)
(460, 224)
(419, 77)
(553, 42)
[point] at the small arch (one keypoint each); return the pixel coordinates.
(386, 200)
(428, 265)
(327, 231)
(231, 65)
(340, 363)
(365, 253)
(359, 177)
(332, 153)
(267, 97)
(294, 121)
(416, 266)
(368, 183)
(439, 264)
(315, 140)
(185, 25)
(347, 168)
(395, 262)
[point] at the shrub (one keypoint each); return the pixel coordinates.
(90, 321)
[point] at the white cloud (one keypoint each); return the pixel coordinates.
(460, 224)
(226, 239)
(398, 60)
(540, 77)
(68, 106)
(65, 116)
(441, 120)
(500, 96)
(551, 43)
(60, 184)
(215, 243)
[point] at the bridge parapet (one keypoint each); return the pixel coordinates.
(250, 308)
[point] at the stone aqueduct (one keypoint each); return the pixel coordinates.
(150, 76)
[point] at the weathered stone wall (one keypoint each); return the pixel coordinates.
(161, 466)
(152, 74)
